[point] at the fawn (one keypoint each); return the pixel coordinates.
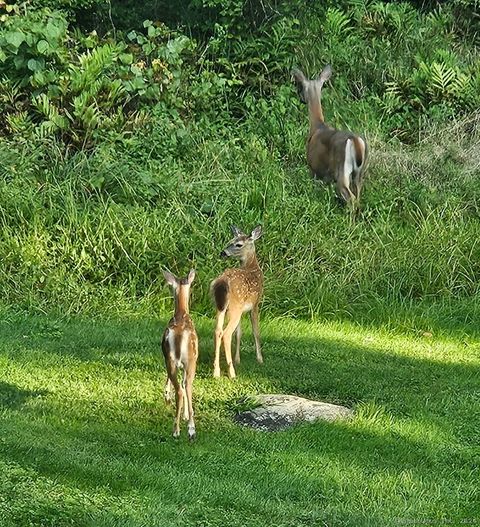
(235, 292)
(332, 155)
(180, 349)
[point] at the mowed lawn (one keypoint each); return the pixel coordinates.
(85, 436)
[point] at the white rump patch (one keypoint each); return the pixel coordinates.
(185, 340)
(349, 163)
(171, 340)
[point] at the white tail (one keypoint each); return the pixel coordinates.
(180, 349)
(332, 155)
(235, 292)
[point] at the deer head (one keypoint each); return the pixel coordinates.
(181, 288)
(242, 246)
(309, 89)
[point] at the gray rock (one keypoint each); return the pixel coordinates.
(277, 412)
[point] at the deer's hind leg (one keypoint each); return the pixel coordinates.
(234, 320)
(218, 341)
(254, 317)
(190, 375)
(172, 377)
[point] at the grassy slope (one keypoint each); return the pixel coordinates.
(417, 241)
(85, 436)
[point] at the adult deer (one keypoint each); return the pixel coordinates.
(235, 292)
(332, 155)
(180, 349)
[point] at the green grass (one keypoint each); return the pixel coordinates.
(86, 437)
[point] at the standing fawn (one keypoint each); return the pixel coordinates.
(235, 292)
(332, 155)
(180, 349)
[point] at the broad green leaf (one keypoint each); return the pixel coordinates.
(54, 30)
(126, 58)
(43, 47)
(15, 38)
(151, 31)
(35, 64)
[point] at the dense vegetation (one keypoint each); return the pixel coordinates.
(133, 135)
(125, 150)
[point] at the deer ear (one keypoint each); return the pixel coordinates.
(170, 278)
(191, 276)
(325, 74)
(236, 231)
(298, 76)
(256, 233)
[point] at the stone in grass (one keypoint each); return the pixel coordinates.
(278, 412)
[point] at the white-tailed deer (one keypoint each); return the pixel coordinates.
(332, 155)
(180, 349)
(235, 292)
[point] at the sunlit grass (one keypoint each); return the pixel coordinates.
(86, 437)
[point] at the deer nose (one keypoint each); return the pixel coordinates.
(223, 254)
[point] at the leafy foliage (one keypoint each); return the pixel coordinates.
(125, 151)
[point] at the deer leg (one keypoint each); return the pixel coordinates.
(179, 401)
(254, 317)
(218, 342)
(167, 393)
(189, 392)
(344, 192)
(227, 340)
(357, 183)
(186, 415)
(238, 335)
(172, 375)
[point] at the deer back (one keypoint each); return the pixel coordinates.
(245, 286)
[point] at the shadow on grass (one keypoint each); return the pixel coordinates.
(14, 398)
(240, 470)
(337, 463)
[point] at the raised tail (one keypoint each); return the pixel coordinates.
(360, 151)
(220, 293)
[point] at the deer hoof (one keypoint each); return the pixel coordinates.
(216, 372)
(260, 359)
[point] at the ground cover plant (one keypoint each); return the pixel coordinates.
(86, 438)
(131, 139)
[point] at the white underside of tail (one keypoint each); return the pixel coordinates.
(362, 142)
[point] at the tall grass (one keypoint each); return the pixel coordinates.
(89, 233)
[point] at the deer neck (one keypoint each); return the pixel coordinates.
(315, 110)
(249, 261)
(182, 301)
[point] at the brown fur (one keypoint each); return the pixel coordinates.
(326, 146)
(181, 328)
(236, 291)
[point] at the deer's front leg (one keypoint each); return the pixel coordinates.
(238, 337)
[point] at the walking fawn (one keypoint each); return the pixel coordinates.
(236, 291)
(180, 349)
(332, 155)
